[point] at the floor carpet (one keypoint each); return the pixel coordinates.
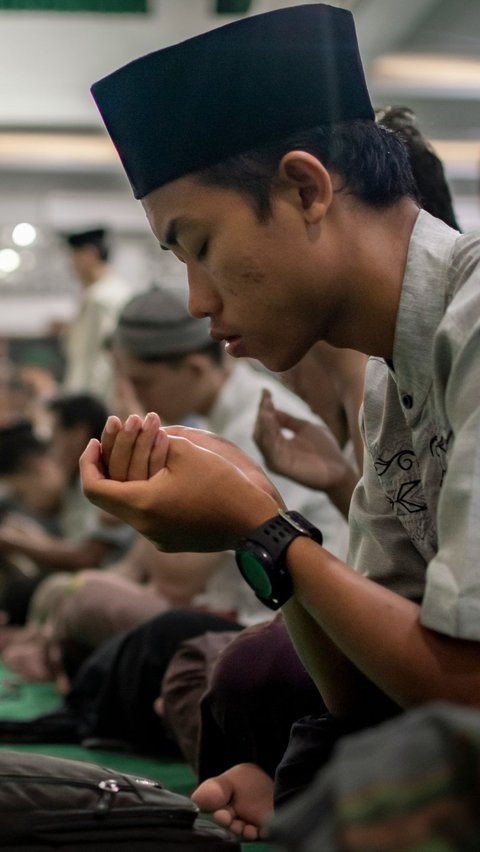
(19, 700)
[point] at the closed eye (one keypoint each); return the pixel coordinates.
(201, 255)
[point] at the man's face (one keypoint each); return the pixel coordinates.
(253, 279)
(84, 260)
(168, 389)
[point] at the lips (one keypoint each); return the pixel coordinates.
(235, 346)
(219, 335)
(233, 342)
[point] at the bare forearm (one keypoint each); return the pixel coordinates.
(180, 576)
(336, 678)
(61, 554)
(341, 493)
(380, 635)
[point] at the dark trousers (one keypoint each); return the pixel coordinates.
(258, 689)
(262, 707)
(114, 690)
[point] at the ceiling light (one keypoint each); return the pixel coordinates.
(24, 234)
(433, 70)
(9, 261)
(56, 149)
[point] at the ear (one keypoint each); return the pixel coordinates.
(311, 182)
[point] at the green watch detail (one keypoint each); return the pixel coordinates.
(261, 556)
(255, 576)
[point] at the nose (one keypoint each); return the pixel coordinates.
(203, 299)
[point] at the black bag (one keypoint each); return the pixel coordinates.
(51, 804)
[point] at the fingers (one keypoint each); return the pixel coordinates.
(266, 424)
(143, 439)
(266, 406)
(275, 416)
(135, 450)
(288, 421)
(118, 498)
(91, 464)
(158, 455)
(92, 469)
(123, 447)
(110, 432)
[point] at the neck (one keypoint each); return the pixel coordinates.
(374, 270)
(93, 274)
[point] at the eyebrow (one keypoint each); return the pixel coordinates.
(171, 233)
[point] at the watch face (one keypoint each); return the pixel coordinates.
(255, 574)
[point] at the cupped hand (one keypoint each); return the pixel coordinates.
(137, 450)
(185, 489)
(133, 450)
(310, 454)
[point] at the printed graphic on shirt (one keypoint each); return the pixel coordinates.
(408, 496)
(438, 449)
(413, 501)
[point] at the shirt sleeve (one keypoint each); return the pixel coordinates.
(452, 597)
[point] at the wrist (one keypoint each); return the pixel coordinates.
(259, 514)
(261, 556)
(340, 493)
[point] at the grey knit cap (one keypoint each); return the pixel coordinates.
(156, 324)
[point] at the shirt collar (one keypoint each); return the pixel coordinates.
(421, 307)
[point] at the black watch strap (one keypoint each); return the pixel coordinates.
(277, 533)
(269, 543)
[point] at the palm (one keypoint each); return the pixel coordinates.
(185, 489)
(230, 452)
(308, 454)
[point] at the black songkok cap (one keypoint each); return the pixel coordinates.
(233, 89)
(156, 324)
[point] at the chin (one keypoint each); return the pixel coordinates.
(280, 362)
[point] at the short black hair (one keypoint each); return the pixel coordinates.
(73, 409)
(213, 350)
(95, 237)
(372, 161)
(19, 444)
(433, 190)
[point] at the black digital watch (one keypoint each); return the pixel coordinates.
(260, 556)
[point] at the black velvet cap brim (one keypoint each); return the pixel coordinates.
(95, 237)
(232, 89)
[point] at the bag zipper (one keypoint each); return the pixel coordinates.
(107, 788)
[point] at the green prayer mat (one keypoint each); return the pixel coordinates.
(20, 700)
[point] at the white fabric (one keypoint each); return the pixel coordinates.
(415, 516)
(88, 367)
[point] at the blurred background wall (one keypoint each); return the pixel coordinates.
(59, 172)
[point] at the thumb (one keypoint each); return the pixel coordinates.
(108, 494)
(91, 464)
(288, 421)
(266, 400)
